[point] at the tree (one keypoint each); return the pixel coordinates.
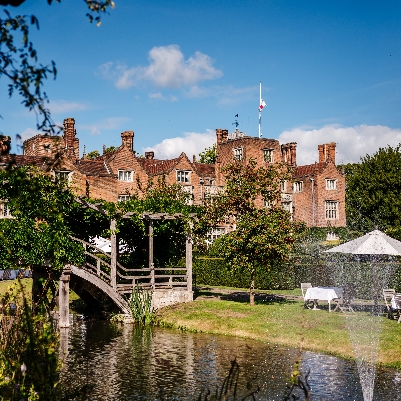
(38, 233)
(261, 234)
(20, 63)
(209, 155)
(93, 155)
(373, 194)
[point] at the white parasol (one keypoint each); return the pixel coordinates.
(373, 243)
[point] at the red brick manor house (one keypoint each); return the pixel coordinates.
(316, 194)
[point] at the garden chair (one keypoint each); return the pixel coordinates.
(388, 294)
(397, 301)
(344, 303)
(304, 287)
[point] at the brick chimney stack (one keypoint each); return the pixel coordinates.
(221, 135)
(327, 152)
(128, 139)
(149, 155)
(69, 133)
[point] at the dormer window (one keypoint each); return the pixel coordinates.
(298, 186)
(238, 153)
(331, 184)
(268, 155)
(125, 175)
(183, 176)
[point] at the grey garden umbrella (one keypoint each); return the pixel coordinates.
(373, 243)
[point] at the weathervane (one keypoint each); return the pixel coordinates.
(236, 123)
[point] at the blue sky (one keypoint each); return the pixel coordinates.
(174, 71)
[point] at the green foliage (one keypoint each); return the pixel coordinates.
(19, 59)
(26, 339)
(39, 231)
(216, 271)
(168, 235)
(110, 149)
(140, 303)
(262, 235)
(93, 155)
(373, 196)
(209, 155)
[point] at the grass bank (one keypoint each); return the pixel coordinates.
(278, 320)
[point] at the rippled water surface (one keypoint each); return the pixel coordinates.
(127, 363)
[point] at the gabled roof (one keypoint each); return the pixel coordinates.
(92, 167)
(309, 169)
(155, 166)
(205, 169)
(41, 162)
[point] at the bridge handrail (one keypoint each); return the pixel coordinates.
(91, 245)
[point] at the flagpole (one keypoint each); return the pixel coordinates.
(260, 111)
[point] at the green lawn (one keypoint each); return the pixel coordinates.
(286, 323)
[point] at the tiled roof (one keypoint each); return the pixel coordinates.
(42, 162)
(92, 167)
(309, 169)
(155, 166)
(204, 169)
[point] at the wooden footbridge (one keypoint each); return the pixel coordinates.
(103, 278)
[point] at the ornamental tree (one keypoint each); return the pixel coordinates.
(38, 232)
(373, 192)
(250, 203)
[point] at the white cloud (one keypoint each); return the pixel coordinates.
(192, 143)
(62, 106)
(167, 69)
(29, 133)
(352, 142)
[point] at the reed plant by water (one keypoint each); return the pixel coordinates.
(140, 304)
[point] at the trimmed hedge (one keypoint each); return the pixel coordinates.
(215, 271)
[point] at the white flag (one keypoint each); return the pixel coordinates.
(262, 105)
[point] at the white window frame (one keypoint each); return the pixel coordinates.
(331, 209)
(215, 233)
(123, 197)
(331, 184)
(287, 206)
(298, 186)
(5, 211)
(238, 153)
(64, 175)
(268, 155)
(125, 175)
(183, 176)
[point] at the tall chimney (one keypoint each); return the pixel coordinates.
(128, 139)
(332, 151)
(320, 149)
(149, 155)
(69, 133)
(293, 151)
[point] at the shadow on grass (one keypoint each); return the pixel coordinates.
(241, 296)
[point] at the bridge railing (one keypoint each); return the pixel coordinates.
(152, 278)
(98, 262)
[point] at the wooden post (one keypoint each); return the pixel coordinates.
(113, 261)
(151, 265)
(64, 298)
(188, 260)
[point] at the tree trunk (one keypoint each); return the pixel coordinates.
(252, 288)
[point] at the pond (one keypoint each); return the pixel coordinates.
(116, 362)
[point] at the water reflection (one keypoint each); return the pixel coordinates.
(128, 363)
